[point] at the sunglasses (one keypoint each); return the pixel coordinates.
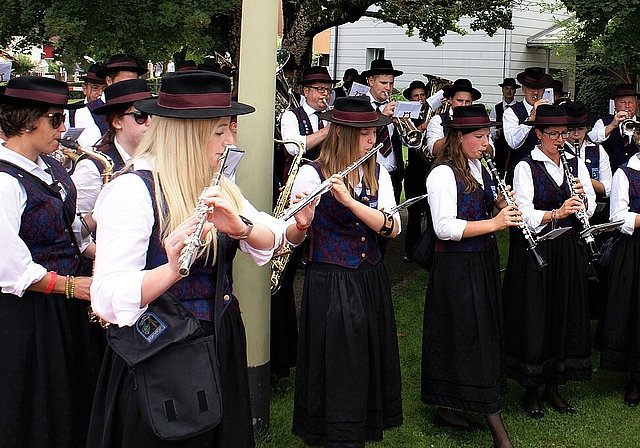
(57, 119)
(140, 117)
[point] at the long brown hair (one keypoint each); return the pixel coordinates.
(339, 150)
(452, 154)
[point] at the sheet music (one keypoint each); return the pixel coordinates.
(408, 109)
(233, 159)
(435, 100)
(72, 134)
(358, 89)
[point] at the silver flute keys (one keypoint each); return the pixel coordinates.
(194, 241)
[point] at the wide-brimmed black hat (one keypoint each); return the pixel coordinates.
(38, 91)
(417, 84)
(471, 117)
(355, 111)
(316, 74)
(625, 89)
(558, 88)
(462, 85)
(509, 82)
(549, 115)
(92, 75)
(121, 62)
(381, 67)
(578, 115)
(535, 78)
(123, 94)
(186, 65)
(194, 94)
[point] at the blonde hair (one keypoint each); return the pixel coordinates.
(177, 148)
(340, 151)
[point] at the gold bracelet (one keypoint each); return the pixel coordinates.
(72, 288)
(67, 287)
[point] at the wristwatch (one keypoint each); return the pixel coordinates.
(247, 230)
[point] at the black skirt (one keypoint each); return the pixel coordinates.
(619, 327)
(546, 313)
(462, 352)
(50, 357)
(348, 376)
(116, 420)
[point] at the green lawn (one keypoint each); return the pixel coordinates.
(602, 419)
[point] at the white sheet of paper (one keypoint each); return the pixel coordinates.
(548, 94)
(233, 159)
(407, 109)
(358, 89)
(435, 100)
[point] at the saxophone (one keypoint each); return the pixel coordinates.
(73, 151)
(281, 255)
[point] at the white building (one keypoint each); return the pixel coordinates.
(482, 59)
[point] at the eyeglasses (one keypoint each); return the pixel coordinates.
(140, 117)
(322, 90)
(57, 119)
(554, 135)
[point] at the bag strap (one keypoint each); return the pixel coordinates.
(217, 301)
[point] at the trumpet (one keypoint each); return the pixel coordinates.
(281, 256)
(529, 236)
(629, 127)
(411, 135)
(586, 233)
(194, 241)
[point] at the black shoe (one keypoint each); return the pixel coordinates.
(564, 410)
(407, 259)
(535, 414)
(440, 422)
(631, 402)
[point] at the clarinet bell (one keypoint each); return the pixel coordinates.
(538, 258)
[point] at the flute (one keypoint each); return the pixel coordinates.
(326, 185)
(530, 237)
(194, 241)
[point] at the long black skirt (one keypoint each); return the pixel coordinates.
(348, 376)
(50, 357)
(462, 347)
(116, 420)
(546, 313)
(619, 327)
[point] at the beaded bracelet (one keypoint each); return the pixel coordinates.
(53, 278)
(72, 287)
(66, 287)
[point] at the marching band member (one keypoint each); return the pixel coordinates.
(144, 217)
(462, 355)
(84, 118)
(509, 87)
(49, 350)
(547, 333)
(348, 373)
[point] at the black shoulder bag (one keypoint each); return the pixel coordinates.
(425, 247)
(175, 367)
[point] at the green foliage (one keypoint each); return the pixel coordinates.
(24, 64)
(594, 93)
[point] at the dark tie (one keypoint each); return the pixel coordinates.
(383, 137)
(320, 123)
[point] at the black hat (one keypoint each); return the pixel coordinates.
(350, 72)
(558, 88)
(625, 89)
(316, 74)
(462, 85)
(186, 65)
(577, 114)
(92, 75)
(121, 62)
(194, 94)
(381, 67)
(38, 91)
(509, 82)
(123, 94)
(535, 78)
(213, 67)
(355, 111)
(414, 85)
(549, 115)
(470, 117)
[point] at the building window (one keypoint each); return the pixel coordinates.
(373, 54)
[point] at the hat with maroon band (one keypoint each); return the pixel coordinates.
(470, 117)
(549, 115)
(316, 74)
(38, 91)
(121, 63)
(355, 111)
(122, 95)
(194, 94)
(625, 89)
(91, 76)
(534, 78)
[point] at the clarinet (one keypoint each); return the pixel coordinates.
(586, 236)
(194, 241)
(530, 237)
(326, 185)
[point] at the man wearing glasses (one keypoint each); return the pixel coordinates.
(302, 123)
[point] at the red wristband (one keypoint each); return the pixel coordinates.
(302, 229)
(52, 282)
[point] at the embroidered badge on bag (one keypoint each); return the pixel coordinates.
(150, 326)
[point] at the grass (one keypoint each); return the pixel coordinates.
(602, 420)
